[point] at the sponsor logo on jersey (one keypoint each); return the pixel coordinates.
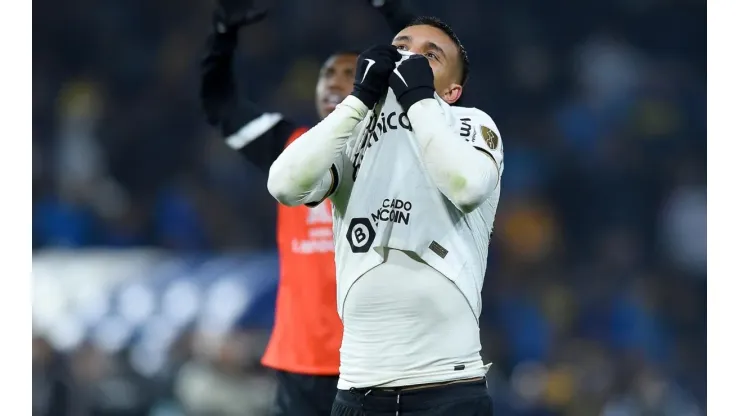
(360, 235)
(376, 128)
(393, 210)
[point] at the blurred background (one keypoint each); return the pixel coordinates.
(154, 265)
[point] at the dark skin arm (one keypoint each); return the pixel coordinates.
(246, 127)
(258, 135)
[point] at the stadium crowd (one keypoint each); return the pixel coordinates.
(595, 298)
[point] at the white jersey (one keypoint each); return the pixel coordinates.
(414, 198)
(386, 199)
(406, 324)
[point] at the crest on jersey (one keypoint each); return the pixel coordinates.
(490, 137)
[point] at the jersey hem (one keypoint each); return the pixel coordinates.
(400, 381)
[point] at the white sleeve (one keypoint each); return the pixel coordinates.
(479, 131)
(327, 186)
(467, 175)
(308, 169)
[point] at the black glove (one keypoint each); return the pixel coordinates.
(230, 15)
(374, 66)
(413, 81)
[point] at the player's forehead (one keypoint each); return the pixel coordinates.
(424, 35)
(340, 62)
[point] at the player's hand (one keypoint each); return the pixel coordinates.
(231, 15)
(380, 3)
(396, 13)
(413, 81)
(374, 66)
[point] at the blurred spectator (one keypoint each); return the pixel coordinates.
(231, 385)
(53, 389)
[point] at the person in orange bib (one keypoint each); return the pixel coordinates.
(305, 340)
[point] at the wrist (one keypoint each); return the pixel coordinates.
(364, 97)
(413, 96)
(424, 109)
(428, 120)
(356, 104)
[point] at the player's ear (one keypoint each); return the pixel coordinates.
(452, 93)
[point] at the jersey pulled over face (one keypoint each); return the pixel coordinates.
(442, 53)
(335, 82)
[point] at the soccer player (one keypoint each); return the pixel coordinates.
(414, 183)
(304, 346)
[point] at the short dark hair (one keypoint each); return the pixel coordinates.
(345, 52)
(444, 27)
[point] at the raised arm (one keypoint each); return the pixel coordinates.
(306, 172)
(467, 175)
(298, 176)
(258, 135)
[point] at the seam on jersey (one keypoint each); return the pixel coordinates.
(344, 301)
(498, 168)
(480, 149)
(466, 298)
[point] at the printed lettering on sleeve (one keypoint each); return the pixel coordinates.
(478, 129)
